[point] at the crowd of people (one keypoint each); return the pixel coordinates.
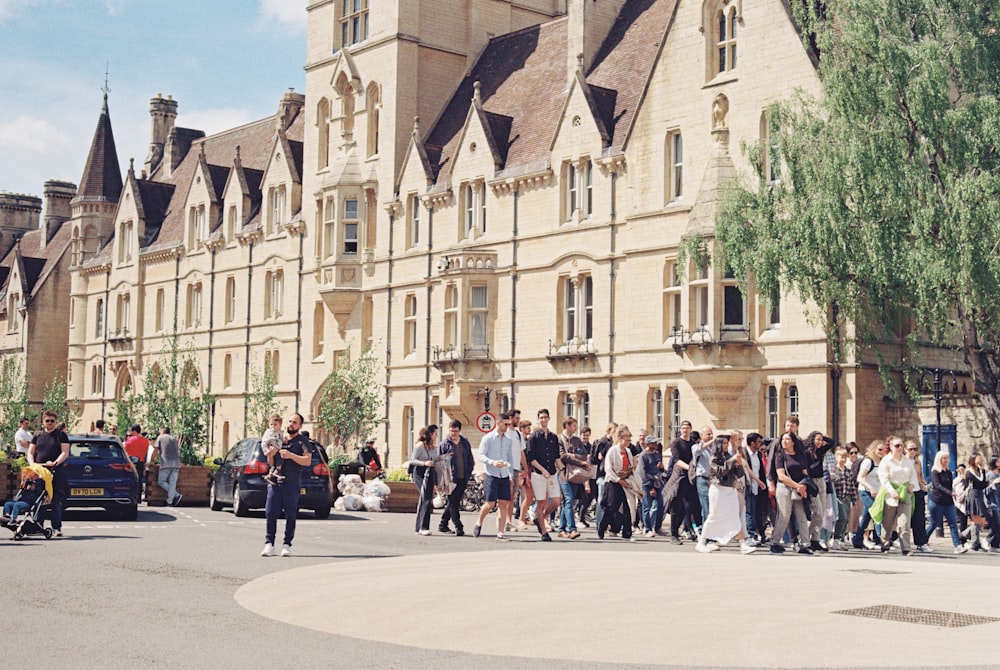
(787, 493)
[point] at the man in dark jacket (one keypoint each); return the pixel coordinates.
(462, 464)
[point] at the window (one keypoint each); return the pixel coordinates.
(478, 314)
(275, 208)
(734, 315)
(474, 209)
(588, 189)
(725, 37)
(657, 407)
(774, 310)
(672, 323)
(772, 411)
(274, 290)
(351, 226)
(99, 318)
(329, 227)
(699, 298)
(160, 307)
(571, 191)
(230, 299)
(568, 407)
(578, 309)
(13, 318)
(770, 132)
(272, 364)
(413, 221)
(319, 328)
(196, 226)
(227, 371)
(585, 410)
(675, 166)
(122, 309)
(410, 325)
(451, 316)
(353, 22)
(125, 242)
(192, 314)
(323, 132)
(793, 400)
(675, 412)
(231, 220)
(374, 105)
(367, 321)
(346, 94)
(97, 380)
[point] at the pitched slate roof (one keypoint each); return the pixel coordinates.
(102, 177)
(254, 139)
(36, 262)
(523, 87)
(626, 59)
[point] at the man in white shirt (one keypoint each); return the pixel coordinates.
(22, 438)
(518, 463)
(495, 454)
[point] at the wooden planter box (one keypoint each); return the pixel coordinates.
(403, 498)
(8, 483)
(193, 482)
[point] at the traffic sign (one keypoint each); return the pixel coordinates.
(486, 422)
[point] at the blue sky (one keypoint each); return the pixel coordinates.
(226, 62)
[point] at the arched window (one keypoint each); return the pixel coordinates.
(323, 128)
(346, 93)
(657, 407)
(772, 411)
(793, 400)
(725, 37)
(410, 325)
(675, 412)
(319, 328)
(373, 105)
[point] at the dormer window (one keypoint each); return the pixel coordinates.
(125, 242)
(474, 209)
(276, 208)
(720, 32)
(196, 226)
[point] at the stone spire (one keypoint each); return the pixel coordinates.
(102, 177)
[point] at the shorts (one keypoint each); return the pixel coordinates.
(496, 488)
(545, 488)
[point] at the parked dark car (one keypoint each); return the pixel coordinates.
(101, 474)
(239, 481)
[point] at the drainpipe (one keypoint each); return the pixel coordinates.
(388, 328)
(427, 346)
(611, 302)
(298, 327)
(246, 348)
(513, 303)
(104, 334)
(211, 339)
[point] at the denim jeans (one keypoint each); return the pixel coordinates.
(866, 500)
(652, 508)
(600, 501)
(701, 484)
(167, 480)
(12, 508)
(843, 508)
(281, 497)
(937, 513)
(567, 521)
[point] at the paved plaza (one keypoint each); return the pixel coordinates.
(185, 588)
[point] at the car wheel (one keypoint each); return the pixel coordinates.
(131, 513)
(213, 501)
(239, 508)
(322, 512)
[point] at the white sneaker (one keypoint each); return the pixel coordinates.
(751, 542)
(704, 548)
(870, 545)
(268, 550)
(424, 531)
(961, 549)
(649, 533)
(286, 550)
(924, 549)
(747, 548)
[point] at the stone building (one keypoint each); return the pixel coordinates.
(492, 195)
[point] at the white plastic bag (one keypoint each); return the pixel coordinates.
(352, 503)
(372, 503)
(377, 487)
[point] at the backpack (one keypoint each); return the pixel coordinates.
(856, 468)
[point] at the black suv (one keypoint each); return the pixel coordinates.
(239, 481)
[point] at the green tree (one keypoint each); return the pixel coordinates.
(262, 402)
(350, 405)
(170, 397)
(888, 206)
(67, 410)
(14, 392)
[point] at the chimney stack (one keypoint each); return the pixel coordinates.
(289, 107)
(162, 112)
(58, 195)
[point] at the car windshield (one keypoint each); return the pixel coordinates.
(104, 450)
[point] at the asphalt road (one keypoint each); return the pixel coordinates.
(161, 592)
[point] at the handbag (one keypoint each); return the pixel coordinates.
(579, 474)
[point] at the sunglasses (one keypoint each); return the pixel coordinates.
(50, 420)
(853, 453)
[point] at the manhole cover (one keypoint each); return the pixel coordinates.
(917, 615)
(872, 571)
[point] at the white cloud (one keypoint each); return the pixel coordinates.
(214, 120)
(25, 133)
(11, 8)
(290, 12)
(116, 7)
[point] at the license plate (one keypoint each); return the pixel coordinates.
(302, 492)
(86, 492)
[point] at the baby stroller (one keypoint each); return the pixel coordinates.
(30, 521)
